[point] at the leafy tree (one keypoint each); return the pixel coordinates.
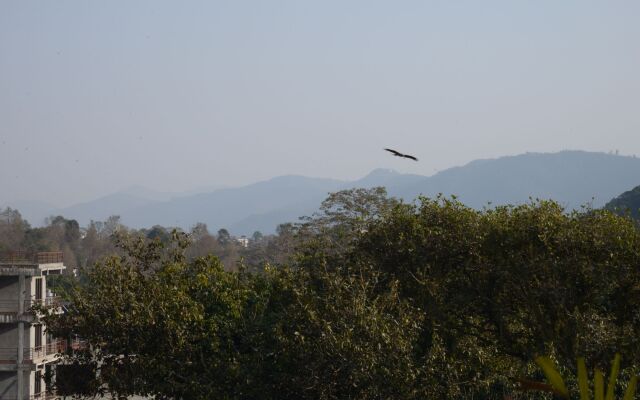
(331, 335)
(345, 215)
(12, 229)
(503, 285)
(257, 236)
(160, 325)
(202, 242)
(98, 241)
(224, 237)
(351, 210)
(199, 231)
(60, 234)
(158, 232)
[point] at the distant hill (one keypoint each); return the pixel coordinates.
(627, 202)
(227, 207)
(573, 178)
(268, 221)
(98, 210)
(36, 212)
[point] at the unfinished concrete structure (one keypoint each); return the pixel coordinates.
(27, 352)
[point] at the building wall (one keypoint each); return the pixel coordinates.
(9, 384)
(8, 288)
(8, 336)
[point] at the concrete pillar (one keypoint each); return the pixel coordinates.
(21, 292)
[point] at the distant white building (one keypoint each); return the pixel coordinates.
(27, 352)
(243, 241)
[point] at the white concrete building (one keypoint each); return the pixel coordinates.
(243, 241)
(27, 352)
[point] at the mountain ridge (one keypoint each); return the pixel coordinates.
(571, 177)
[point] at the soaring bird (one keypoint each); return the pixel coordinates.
(398, 154)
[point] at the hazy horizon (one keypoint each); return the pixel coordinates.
(99, 97)
(146, 192)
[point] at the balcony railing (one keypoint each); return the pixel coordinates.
(44, 396)
(39, 396)
(11, 306)
(8, 306)
(55, 347)
(10, 355)
(49, 301)
(25, 257)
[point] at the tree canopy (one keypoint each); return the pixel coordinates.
(407, 301)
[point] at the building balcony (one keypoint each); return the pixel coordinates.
(9, 309)
(33, 355)
(52, 348)
(49, 301)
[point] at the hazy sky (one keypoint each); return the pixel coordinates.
(98, 96)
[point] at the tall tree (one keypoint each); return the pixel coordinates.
(224, 237)
(202, 242)
(12, 230)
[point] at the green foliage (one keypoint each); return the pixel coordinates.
(160, 325)
(332, 336)
(223, 236)
(368, 299)
(257, 236)
(158, 232)
(345, 216)
(61, 285)
(553, 376)
(558, 387)
(528, 279)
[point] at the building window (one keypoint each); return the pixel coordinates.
(38, 338)
(48, 372)
(37, 384)
(38, 288)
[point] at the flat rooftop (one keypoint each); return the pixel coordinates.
(30, 263)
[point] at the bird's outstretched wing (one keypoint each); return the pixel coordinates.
(398, 154)
(395, 153)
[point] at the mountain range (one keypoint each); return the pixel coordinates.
(573, 178)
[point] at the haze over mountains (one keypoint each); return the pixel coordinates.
(573, 178)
